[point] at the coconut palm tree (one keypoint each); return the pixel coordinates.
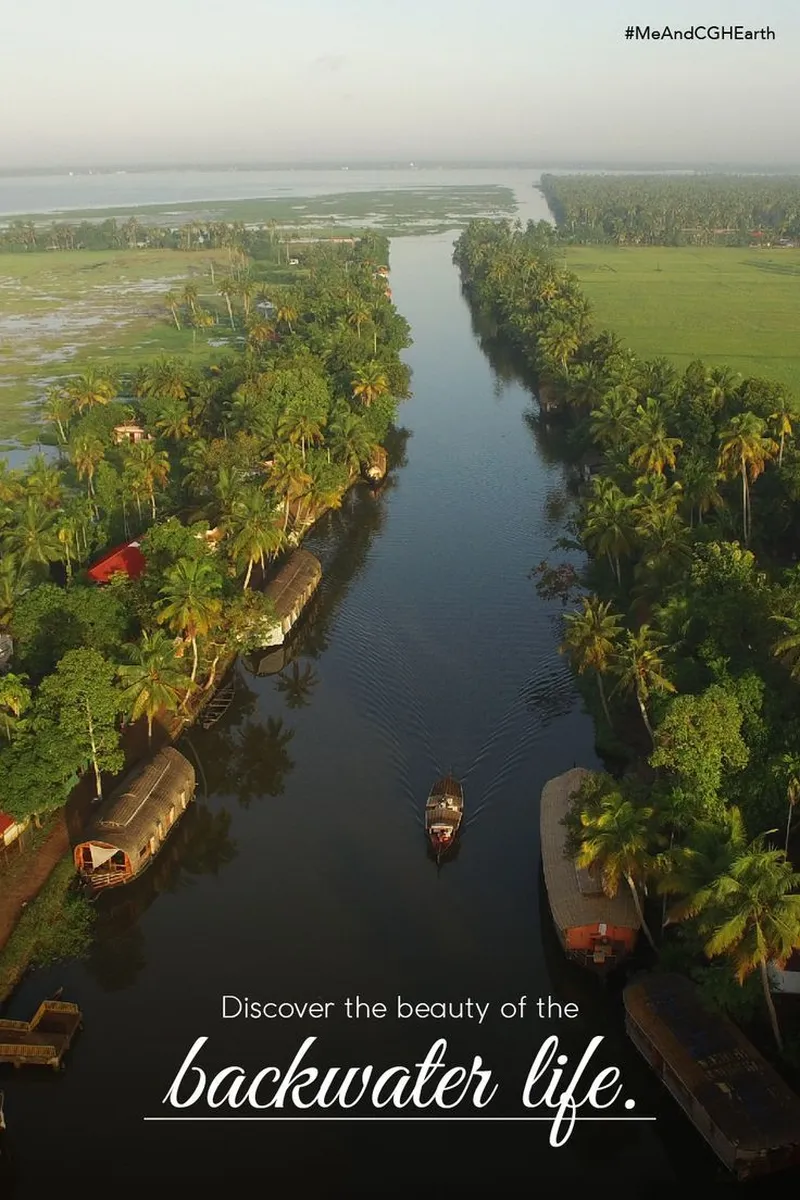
(591, 639)
(609, 523)
(174, 419)
(370, 383)
(616, 840)
(640, 669)
(190, 602)
(300, 425)
(15, 698)
(689, 871)
(350, 440)
(745, 450)
(172, 301)
(91, 389)
(153, 679)
(753, 915)
(87, 452)
(59, 409)
(150, 466)
(788, 647)
(784, 417)
(33, 538)
(253, 530)
(652, 449)
(226, 289)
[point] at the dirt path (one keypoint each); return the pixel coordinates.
(21, 881)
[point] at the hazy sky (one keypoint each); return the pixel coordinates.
(88, 81)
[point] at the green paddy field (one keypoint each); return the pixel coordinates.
(731, 307)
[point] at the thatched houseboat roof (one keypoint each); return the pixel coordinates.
(742, 1094)
(301, 572)
(143, 799)
(576, 898)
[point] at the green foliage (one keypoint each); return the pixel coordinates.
(700, 741)
(50, 620)
(57, 924)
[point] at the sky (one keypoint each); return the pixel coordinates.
(90, 82)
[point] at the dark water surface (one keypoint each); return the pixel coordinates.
(303, 873)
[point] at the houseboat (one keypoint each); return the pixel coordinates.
(443, 813)
(290, 591)
(377, 466)
(734, 1098)
(42, 1041)
(134, 823)
(595, 930)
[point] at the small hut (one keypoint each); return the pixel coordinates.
(734, 1098)
(290, 591)
(136, 820)
(377, 466)
(596, 930)
(131, 433)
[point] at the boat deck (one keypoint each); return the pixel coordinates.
(43, 1041)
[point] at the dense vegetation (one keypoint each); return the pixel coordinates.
(266, 241)
(661, 210)
(230, 465)
(686, 634)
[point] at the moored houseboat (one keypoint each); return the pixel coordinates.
(290, 591)
(443, 812)
(734, 1098)
(377, 466)
(133, 824)
(596, 930)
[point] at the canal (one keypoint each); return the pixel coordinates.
(303, 874)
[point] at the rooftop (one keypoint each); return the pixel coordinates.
(743, 1095)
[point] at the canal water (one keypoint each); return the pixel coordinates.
(302, 873)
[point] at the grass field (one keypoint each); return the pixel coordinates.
(730, 307)
(402, 210)
(60, 311)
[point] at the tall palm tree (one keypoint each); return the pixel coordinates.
(784, 417)
(59, 409)
(226, 289)
(33, 538)
(15, 698)
(174, 419)
(91, 389)
(350, 440)
(787, 648)
(370, 383)
(172, 301)
(616, 840)
(301, 425)
(153, 678)
(609, 524)
(190, 602)
(753, 915)
(689, 871)
(745, 450)
(87, 452)
(652, 450)
(591, 640)
(641, 669)
(254, 532)
(151, 467)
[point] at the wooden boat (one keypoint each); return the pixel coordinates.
(443, 813)
(596, 930)
(734, 1098)
(219, 703)
(44, 1040)
(131, 827)
(2, 1113)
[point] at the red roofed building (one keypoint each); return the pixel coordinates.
(126, 558)
(11, 828)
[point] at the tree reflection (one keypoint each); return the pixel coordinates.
(263, 761)
(200, 844)
(297, 685)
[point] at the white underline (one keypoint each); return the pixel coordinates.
(391, 1118)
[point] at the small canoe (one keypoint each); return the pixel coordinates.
(443, 813)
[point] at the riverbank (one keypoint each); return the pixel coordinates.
(42, 876)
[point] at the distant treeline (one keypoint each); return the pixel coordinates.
(264, 242)
(653, 210)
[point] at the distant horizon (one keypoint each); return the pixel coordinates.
(705, 166)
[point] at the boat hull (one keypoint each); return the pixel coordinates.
(443, 814)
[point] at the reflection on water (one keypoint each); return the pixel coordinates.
(200, 844)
